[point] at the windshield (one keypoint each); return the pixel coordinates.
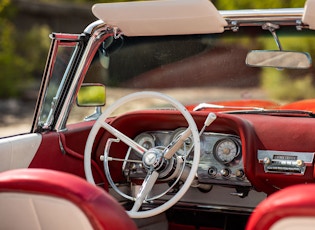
(205, 68)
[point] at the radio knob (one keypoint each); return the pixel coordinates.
(267, 160)
(299, 163)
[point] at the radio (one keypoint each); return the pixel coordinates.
(285, 162)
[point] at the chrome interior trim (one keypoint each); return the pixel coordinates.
(44, 84)
(82, 68)
(289, 16)
(93, 26)
(283, 14)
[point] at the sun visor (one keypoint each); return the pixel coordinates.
(163, 17)
(309, 14)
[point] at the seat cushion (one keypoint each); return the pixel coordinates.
(47, 198)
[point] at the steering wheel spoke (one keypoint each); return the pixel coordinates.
(134, 145)
(176, 144)
(145, 188)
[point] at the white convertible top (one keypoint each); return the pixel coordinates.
(163, 17)
(309, 14)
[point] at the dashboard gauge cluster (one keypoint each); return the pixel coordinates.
(220, 157)
(221, 160)
(163, 138)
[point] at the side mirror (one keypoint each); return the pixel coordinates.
(91, 95)
(279, 59)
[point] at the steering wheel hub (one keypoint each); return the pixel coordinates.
(153, 159)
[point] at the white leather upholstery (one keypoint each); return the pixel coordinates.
(18, 151)
(37, 212)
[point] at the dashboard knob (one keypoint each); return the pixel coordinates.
(240, 174)
(225, 172)
(212, 171)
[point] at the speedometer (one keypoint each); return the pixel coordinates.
(226, 150)
(146, 140)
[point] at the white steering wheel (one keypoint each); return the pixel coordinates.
(153, 159)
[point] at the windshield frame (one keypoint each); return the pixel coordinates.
(99, 32)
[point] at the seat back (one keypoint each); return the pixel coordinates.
(47, 199)
(290, 208)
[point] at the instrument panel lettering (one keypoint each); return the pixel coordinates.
(285, 157)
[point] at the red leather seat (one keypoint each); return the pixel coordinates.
(290, 208)
(46, 199)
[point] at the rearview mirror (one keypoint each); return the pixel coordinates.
(91, 95)
(279, 59)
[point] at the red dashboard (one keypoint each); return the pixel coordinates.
(285, 138)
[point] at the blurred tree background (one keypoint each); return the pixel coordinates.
(24, 40)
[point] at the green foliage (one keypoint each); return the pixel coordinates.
(87, 1)
(34, 48)
(285, 89)
(9, 63)
(3, 4)
(220, 4)
(21, 55)
(250, 4)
